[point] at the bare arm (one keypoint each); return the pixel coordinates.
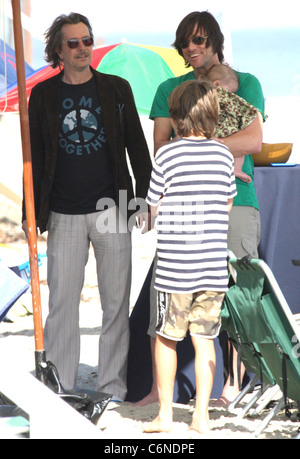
(229, 204)
(247, 141)
(154, 210)
(162, 132)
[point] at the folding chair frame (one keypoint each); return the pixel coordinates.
(259, 268)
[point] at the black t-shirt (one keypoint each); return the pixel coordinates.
(83, 171)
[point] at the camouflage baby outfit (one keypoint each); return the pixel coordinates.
(235, 113)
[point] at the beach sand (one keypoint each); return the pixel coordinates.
(119, 421)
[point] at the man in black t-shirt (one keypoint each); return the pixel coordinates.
(83, 171)
(82, 125)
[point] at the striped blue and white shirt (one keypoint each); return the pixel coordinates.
(191, 182)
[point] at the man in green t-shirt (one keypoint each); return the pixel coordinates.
(200, 42)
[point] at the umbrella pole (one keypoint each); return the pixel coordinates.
(40, 356)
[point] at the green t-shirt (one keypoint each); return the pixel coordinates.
(250, 90)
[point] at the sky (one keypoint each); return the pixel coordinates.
(162, 16)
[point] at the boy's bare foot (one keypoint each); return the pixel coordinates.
(200, 426)
(157, 425)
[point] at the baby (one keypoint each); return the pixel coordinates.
(235, 112)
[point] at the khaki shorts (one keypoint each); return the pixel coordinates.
(198, 312)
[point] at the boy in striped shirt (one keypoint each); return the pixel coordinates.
(191, 191)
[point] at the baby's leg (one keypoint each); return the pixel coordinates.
(238, 164)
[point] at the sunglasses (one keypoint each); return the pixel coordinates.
(195, 40)
(73, 43)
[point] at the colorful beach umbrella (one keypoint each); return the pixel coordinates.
(145, 67)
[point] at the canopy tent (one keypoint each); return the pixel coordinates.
(145, 67)
(8, 64)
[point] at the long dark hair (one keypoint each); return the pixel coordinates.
(53, 36)
(205, 23)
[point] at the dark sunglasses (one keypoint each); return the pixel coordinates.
(73, 43)
(195, 40)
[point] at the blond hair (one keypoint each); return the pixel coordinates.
(194, 108)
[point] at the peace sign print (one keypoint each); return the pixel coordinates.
(80, 126)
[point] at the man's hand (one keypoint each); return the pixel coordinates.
(25, 228)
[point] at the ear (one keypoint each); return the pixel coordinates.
(59, 50)
(217, 83)
(59, 54)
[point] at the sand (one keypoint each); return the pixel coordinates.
(119, 421)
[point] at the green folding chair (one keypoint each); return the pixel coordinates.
(236, 321)
(263, 318)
